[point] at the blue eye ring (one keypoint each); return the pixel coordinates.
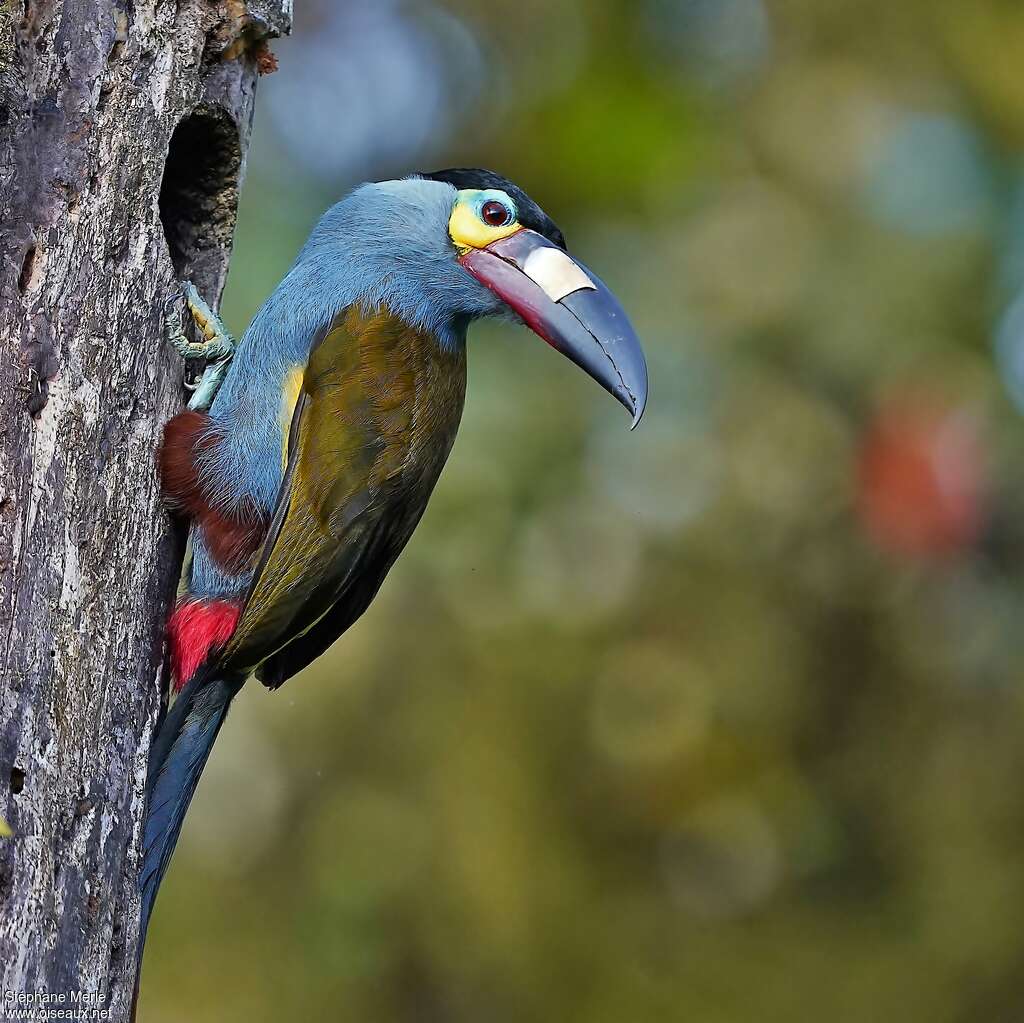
(495, 213)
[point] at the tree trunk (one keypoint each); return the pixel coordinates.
(123, 125)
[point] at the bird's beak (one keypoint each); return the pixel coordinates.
(570, 308)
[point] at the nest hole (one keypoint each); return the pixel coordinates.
(28, 269)
(199, 193)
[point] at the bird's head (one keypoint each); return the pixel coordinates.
(446, 248)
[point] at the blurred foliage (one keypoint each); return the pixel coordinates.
(721, 720)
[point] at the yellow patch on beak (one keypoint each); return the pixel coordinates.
(468, 231)
(556, 273)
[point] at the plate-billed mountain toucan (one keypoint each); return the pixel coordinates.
(309, 451)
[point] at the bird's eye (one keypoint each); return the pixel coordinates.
(495, 214)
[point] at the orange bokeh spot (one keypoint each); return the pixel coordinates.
(921, 479)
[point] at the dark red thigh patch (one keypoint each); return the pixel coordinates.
(232, 537)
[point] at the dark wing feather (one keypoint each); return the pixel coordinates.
(375, 420)
(382, 551)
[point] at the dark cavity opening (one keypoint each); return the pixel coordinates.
(199, 193)
(17, 779)
(28, 269)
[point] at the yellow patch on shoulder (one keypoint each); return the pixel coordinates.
(290, 391)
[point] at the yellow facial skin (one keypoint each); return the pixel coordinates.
(468, 230)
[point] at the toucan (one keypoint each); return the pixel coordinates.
(309, 450)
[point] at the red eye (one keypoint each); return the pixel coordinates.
(495, 214)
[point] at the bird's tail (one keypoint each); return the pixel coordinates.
(180, 750)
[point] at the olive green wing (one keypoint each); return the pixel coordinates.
(338, 521)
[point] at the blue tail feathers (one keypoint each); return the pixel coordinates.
(180, 751)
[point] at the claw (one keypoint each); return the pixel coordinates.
(177, 296)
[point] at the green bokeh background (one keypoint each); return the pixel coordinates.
(663, 725)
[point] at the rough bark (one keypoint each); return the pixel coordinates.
(123, 124)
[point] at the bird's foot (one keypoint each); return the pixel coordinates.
(216, 349)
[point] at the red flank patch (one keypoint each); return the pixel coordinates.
(232, 538)
(194, 629)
